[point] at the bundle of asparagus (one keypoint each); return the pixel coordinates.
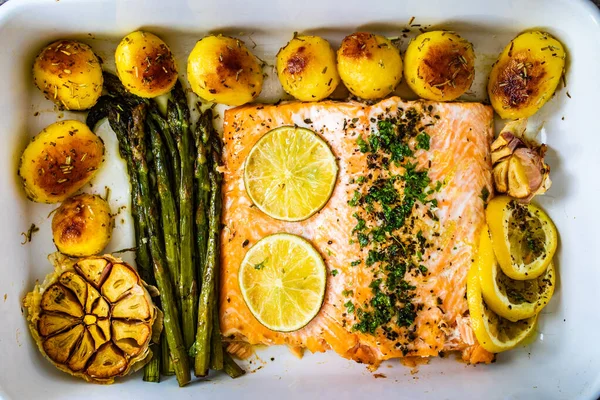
(175, 196)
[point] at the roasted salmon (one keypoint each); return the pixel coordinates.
(398, 234)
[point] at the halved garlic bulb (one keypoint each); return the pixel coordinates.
(93, 318)
(518, 163)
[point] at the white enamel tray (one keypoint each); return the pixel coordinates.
(564, 360)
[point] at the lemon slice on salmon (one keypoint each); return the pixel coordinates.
(494, 333)
(512, 299)
(523, 236)
(282, 279)
(290, 173)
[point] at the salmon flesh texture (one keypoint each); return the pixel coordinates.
(430, 255)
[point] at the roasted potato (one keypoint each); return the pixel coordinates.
(82, 225)
(306, 68)
(145, 64)
(69, 73)
(59, 161)
(222, 70)
(370, 65)
(439, 65)
(526, 74)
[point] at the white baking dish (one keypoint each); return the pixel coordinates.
(564, 360)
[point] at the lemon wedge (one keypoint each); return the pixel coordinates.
(494, 333)
(282, 279)
(290, 173)
(509, 298)
(523, 236)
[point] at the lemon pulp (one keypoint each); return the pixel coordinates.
(512, 299)
(282, 279)
(290, 173)
(524, 238)
(493, 332)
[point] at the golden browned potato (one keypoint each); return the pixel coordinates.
(82, 225)
(439, 65)
(526, 75)
(222, 70)
(306, 68)
(59, 161)
(145, 64)
(370, 65)
(69, 73)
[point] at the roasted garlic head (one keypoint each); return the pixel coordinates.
(519, 167)
(93, 318)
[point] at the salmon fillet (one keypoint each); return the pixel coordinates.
(397, 280)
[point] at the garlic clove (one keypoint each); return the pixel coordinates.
(500, 142)
(500, 174)
(516, 128)
(501, 154)
(518, 184)
(532, 165)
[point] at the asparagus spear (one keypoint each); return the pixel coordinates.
(99, 111)
(230, 367)
(169, 141)
(202, 134)
(216, 346)
(202, 189)
(167, 202)
(216, 360)
(152, 369)
(206, 302)
(150, 211)
(202, 192)
(166, 365)
(178, 116)
(118, 117)
(115, 88)
(108, 107)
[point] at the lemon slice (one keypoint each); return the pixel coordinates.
(282, 279)
(290, 173)
(523, 236)
(494, 333)
(509, 298)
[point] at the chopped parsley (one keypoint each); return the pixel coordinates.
(363, 146)
(423, 141)
(385, 228)
(363, 240)
(355, 199)
(349, 306)
(361, 224)
(334, 272)
(485, 194)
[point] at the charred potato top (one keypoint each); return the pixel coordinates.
(82, 225)
(439, 65)
(222, 70)
(306, 68)
(526, 74)
(370, 65)
(145, 64)
(69, 73)
(59, 161)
